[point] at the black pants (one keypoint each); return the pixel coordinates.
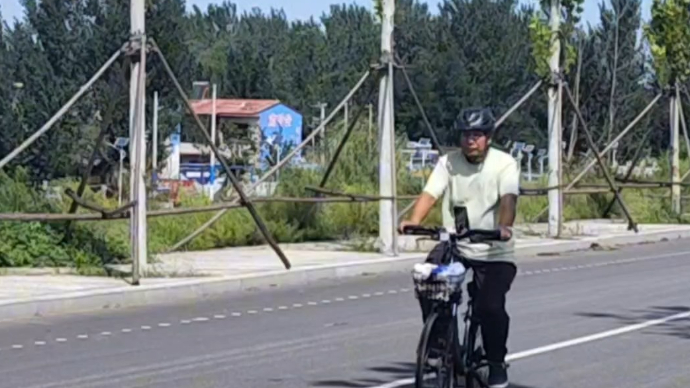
(491, 281)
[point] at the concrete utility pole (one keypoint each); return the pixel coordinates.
(137, 126)
(675, 149)
(154, 137)
(554, 122)
(387, 208)
(322, 117)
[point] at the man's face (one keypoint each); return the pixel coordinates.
(474, 143)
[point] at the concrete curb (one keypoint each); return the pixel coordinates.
(194, 289)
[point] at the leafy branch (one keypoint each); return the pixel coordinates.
(541, 35)
(668, 34)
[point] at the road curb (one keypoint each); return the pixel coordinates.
(190, 290)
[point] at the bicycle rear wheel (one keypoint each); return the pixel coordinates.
(435, 359)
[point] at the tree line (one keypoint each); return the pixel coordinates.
(466, 53)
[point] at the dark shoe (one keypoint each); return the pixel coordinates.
(498, 376)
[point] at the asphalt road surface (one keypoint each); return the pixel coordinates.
(591, 319)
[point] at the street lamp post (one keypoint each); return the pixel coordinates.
(119, 146)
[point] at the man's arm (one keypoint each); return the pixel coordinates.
(507, 210)
(435, 187)
(508, 190)
(422, 207)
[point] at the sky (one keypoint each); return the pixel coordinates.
(303, 9)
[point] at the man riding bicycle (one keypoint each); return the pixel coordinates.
(485, 182)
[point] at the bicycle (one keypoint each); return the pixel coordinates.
(443, 297)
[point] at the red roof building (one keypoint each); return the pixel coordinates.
(235, 108)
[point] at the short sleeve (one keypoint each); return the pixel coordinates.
(509, 180)
(438, 180)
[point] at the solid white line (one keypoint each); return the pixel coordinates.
(567, 344)
(597, 336)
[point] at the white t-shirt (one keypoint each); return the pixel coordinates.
(478, 187)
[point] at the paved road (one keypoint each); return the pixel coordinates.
(362, 332)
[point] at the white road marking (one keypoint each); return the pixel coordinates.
(61, 340)
(252, 312)
(126, 330)
(339, 299)
(146, 328)
(312, 303)
(219, 316)
(163, 324)
(567, 344)
(83, 336)
(366, 295)
(282, 308)
(325, 301)
(352, 297)
(236, 314)
(200, 319)
(106, 333)
(297, 305)
(185, 321)
(39, 343)
(378, 293)
(17, 346)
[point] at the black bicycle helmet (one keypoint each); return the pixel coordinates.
(475, 119)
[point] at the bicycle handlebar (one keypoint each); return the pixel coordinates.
(475, 235)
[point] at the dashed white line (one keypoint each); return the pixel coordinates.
(83, 336)
(106, 333)
(297, 305)
(252, 312)
(163, 324)
(61, 340)
(185, 321)
(353, 297)
(146, 328)
(39, 343)
(17, 346)
(339, 299)
(268, 309)
(236, 314)
(366, 295)
(312, 303)
(282, 307)
(392, 291)
(126, 330)
(219, 316)
(379, 293)
(200, 319)
(325, 301)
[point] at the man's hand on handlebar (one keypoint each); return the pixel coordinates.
(506, 233)
(403, 224)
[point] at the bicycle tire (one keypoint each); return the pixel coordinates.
(423, 350)
(445, 373)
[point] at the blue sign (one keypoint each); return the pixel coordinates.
(281, 130)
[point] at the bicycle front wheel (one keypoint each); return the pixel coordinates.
(435, 356)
